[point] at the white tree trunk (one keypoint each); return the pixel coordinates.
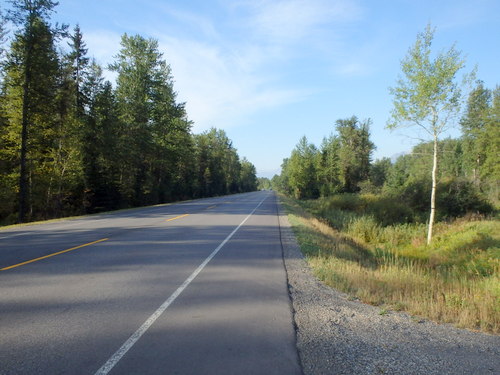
(433, 191)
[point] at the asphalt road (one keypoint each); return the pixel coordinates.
(192, 288)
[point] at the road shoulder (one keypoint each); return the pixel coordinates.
(336, 335)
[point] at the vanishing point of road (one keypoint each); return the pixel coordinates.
(197, 287)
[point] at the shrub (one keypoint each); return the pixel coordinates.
(458, 197)
(454, 198)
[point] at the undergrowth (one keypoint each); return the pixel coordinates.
(378, 254)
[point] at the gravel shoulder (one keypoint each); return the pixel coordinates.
(336, 335)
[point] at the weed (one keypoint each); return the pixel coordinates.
(456, 279)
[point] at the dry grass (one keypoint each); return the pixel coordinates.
(455, 281)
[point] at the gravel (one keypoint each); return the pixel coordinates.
(336, 335)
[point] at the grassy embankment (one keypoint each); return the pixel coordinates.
(355, 244)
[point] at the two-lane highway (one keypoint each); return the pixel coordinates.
(192, 288)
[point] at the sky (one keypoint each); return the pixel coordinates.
(271, 71)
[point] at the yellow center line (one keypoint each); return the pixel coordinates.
(53, 254)
(177, 217)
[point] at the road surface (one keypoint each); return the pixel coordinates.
(192, 288)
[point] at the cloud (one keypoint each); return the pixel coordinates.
(223, 79)
(103, 45)
(285, 21)
(228, 68)
(192, 20)
(353, 69)
(460, 14)
(219, 87)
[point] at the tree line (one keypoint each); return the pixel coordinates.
(458, 175)
(72, 143)
(468, 174)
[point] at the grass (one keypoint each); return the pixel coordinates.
(455, 280)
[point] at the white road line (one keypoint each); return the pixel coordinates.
(115, 358)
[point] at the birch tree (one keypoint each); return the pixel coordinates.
(428, 96)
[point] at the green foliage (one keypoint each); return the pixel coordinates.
(263, 183)
(342, 163)
(354, 152)
(481, 140)
(379, 171)
(458, 197)
(428, 97)
(329, 166)
(219, 169)
(302, 176)
(248, 180)
(455, 279)
(86, 147)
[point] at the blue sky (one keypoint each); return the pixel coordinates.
(271, 71)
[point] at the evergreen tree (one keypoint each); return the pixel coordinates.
(31, 84)
(354, 152)
(302, 170)
(329, 169)
(155, 128)
(474, 123)
(100, 151)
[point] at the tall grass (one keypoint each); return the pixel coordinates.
(455, 280)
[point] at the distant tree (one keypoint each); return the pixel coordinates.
(276, 182)
(219, 169)
(264, 183)
(281, 182)
(474, 123)
(302, 170)
(329, 166)
(354, 152)
(428, 96)
(490, 172)
(480, 126)
(248, 177)
(379, 171)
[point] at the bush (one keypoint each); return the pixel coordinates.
(386, 210)
(457, 197)
(454, 198)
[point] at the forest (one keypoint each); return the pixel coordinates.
(459, 176)
(363, 225)
(468, 174)
(72, 143)
(420, 232)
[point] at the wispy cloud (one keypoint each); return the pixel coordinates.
(460, 13)
(225, 79)
(218, 86)
(103, 45)
(285, 21)
(191, 20)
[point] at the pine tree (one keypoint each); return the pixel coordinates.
(31, 75)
